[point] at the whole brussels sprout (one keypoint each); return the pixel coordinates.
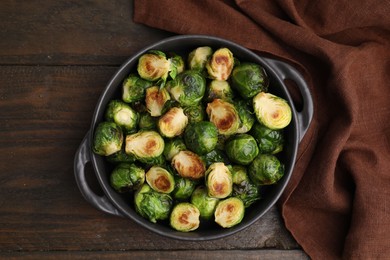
(127, 177)
(172, 147)
(265, 169)
(241, 149)
(198, 58)
(219, 89)
(243, 187)
(120, 157)
(272, 111)
(184, 217)
(108, 138)
(215, 155)
(229, 212)
(147, 122)
(195, 113)
(246, 115)
(221, 64)
(151, 204)
(155, 100)
(133, 88)
(184, 187)
(224, 116)
(173, 122)
(187, 88)
(123, 115)
(204, 202)
(159, 179)
(189, 165)
(219, 180)
(269, 141)
(146, 146)
(201, 137)
(248, 79)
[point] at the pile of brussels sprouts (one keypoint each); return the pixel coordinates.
(193, 138)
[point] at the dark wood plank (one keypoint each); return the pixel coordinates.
(45, 112)
(169, 255)
(71, 32)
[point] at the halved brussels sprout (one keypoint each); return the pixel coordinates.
(269, 141)
(155, 100)
(243, 187)
(224, 116)
(272, 111)
(127, 177)
(201, 137)
(229, 212)
(249, 79)
(120, 157)
(189, 165)
(213, 156)
(221, 64)
(172, 147)
(241, 149)
(173, 122)
(219, 180)
(184, 187)
(122, 114)
(108, 139)
(194, 113)
(265, 169)
(219, 89)
(151, 204)
(204, 202)
(147, 122)
(154, 66)
(146, 146)
(198, 58)
(246, 115)
(187, 88)
(159, 179)
(177, 65)
(185, 217)
(133, 88)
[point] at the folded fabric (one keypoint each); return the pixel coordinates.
(337, 203)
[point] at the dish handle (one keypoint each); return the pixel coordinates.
(286, 71)
(82, 157)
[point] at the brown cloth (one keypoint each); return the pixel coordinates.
(337, 203)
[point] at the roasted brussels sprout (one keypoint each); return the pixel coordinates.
(241, 149)
(221, 64)
(229, 212)
(147, 122)
(120, 157)
(204, 202)
(108, 138)
(243, 187)
(177, 65)
(184, 187)
(173, 122)
(151, 204)
(248, 79)
(172, 147)
(155, 100)
(215, 155)
(187, 88)
(146, 146)
(198, 58)
(194, 113)
(201, 137)
(184, 217)
(159, 179)
(265, 169)
(127, 177)
(123, 115)
(218, 179)
(246, 115)
(133, 88)
(269, 141)
(219, 89)
(272, 111)
(154, 66)
(189, 165)
(224, 116)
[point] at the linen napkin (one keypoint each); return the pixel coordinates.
(337, 202)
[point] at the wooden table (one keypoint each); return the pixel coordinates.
(55, 60)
